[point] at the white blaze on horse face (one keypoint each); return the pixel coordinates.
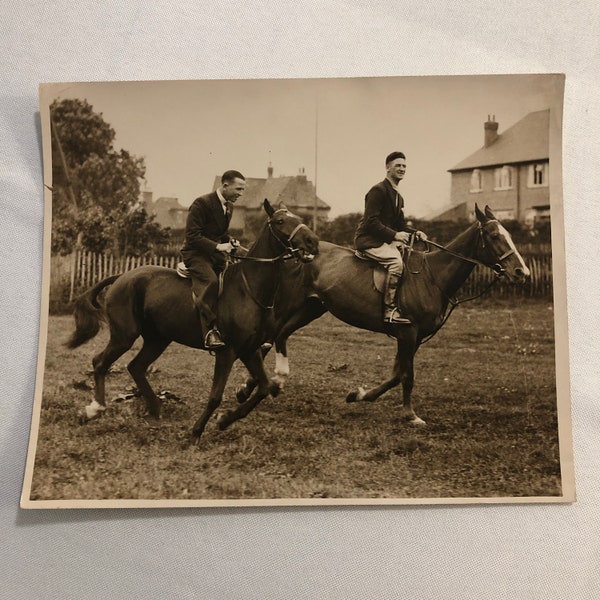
(512, 246)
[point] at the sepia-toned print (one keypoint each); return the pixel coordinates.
(302, 292)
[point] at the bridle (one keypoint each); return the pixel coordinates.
(496, 267)
(287, 244)
(290, 252)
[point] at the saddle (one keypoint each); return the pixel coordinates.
(184, 273)
(379, 272)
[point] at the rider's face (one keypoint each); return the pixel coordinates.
(396, 169)
(232, 190)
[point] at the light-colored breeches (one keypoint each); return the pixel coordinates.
(387, 255)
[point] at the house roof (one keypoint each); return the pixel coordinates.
(525, 141)
(168, 212)
(294, 191)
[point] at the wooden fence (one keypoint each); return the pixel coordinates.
(71, 275)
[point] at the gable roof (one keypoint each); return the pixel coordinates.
(294, 191)
(526, 141)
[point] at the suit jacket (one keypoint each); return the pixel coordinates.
(206, 226)
(383, 217)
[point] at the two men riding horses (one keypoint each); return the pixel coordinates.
(207, 242)
(383, 229)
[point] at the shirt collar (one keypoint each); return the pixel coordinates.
(220, 195)
(392, 183)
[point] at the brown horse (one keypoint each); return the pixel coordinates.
(339, 282)
(156, 304)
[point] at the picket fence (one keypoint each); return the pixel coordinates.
(71, 275)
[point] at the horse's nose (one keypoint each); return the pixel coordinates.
(313, 244)
(522, 274)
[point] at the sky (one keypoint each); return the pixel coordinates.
(338, 130)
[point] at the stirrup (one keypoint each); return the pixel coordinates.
(213, 340)
(394, 317)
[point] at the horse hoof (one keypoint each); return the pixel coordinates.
(352, 397)
(275, 388)
(417, 422)
(223, 421)
(241, 394)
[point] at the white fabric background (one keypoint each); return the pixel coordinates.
(478, 552)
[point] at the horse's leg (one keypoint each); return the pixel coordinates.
(311, 309)
(116, 347)
(256, 367)
(403, 372)
(151, 350)
(405, 361)
(244, 391)
(223, 363)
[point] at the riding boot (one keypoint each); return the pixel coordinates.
(212, 336)
(391, 311)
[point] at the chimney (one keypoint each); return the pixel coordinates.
(490, 128)
(269, 171)
(301, 174)
(147, 200)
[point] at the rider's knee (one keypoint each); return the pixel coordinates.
(396, 267)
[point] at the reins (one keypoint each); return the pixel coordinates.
(453, 302)
(290, 252)
(496, 267)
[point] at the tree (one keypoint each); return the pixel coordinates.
(95, 188)
(341, 229)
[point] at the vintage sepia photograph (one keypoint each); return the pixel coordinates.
(302, 292)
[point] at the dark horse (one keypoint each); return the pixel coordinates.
(339, 282)
(156, 303)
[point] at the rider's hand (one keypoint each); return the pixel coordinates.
(226, 247)
(402, 236)
(421, 236)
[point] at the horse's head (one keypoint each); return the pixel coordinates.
(291, 232)
(498, 249)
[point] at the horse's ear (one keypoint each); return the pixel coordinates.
(282, 206)
(489, 214)
(268, 208)
(480, 216)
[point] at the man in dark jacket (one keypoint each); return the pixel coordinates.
(207, 243)
(383, 228)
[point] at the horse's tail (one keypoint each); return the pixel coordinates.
(88, 314)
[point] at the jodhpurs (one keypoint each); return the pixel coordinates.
(387, 255)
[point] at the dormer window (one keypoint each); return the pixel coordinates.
(503, 178)
(538, 175)
(476, 181)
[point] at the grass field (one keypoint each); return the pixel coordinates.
(485, 385)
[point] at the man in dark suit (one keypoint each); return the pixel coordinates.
(207, 243)
(383, 228)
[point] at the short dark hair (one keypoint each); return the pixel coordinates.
(231, 175)
(393, 156)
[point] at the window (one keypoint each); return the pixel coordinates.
(503, 178)
(476, 181)
(538, 175)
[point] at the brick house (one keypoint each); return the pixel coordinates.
(509, 173)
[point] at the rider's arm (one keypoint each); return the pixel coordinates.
(374, 202)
